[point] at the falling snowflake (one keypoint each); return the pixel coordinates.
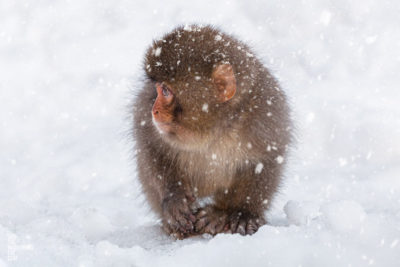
(279, 159)
(205, 107)
(259, 168)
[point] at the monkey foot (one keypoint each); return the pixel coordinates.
(213, 221)
(178, 218)
(244, 224)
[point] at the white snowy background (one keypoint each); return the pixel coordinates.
(69, 194)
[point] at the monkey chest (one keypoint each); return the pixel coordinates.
(208, 173)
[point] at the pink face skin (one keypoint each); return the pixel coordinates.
(163, 108)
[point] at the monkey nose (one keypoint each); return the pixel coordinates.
(155, 112)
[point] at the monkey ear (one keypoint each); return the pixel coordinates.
(225, 80)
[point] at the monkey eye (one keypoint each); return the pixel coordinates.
(165, 91)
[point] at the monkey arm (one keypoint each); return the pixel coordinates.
(177, 197)
(168, 190)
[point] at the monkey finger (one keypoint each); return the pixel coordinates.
(227, 228)
(201, 213)
(214, 227)
(184, 224)
(234, 225)
(210, 228)
(189, 227)
(201, 223)
(176, 227)
(181, 214)
(185, 209)
(192, 218)
(241, 229)
(251, 227)
(220, 227)
(188, 215)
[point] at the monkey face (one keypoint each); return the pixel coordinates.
(164, 108)
(185, 112)
(183, 116)
(192, 72)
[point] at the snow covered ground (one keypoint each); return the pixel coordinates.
(68, 189)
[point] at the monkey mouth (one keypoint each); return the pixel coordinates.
(162, 127)
(175, 134)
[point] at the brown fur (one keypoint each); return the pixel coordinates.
(231, 153)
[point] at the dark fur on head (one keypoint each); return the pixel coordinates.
(180, 49)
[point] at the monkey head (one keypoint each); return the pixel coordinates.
(194, 84)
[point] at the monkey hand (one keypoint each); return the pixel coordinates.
(178, 219)
(210, 220)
